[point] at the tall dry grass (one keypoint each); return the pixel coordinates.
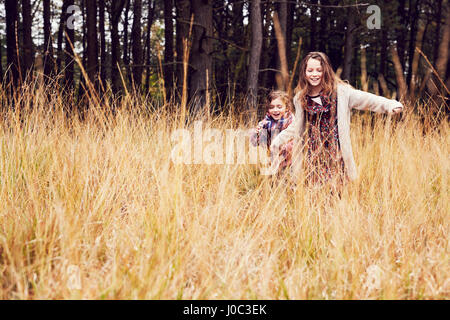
(95, 209)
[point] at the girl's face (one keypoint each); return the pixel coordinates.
(314, 72)
(277, 109)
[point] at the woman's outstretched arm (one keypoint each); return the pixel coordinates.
(285, 135)
(362, 100)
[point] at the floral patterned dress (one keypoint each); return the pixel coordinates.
(324, 159)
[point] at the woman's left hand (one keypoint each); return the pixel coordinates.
(397, 110)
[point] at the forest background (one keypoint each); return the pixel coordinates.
(232, 46)
(92, 207)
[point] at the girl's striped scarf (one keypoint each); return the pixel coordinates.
(270, 128)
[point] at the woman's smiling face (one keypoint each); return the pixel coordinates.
(277, 109)
(314, 72)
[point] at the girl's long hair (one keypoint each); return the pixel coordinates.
(329, 79)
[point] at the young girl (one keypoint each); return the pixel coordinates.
(323, 104)
(277, 119)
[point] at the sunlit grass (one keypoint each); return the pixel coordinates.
(95, 209)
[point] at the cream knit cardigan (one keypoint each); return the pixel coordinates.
(348, 98)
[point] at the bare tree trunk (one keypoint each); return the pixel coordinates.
(383, 85)
(1, 59)
(237, 10)
(137, 44)
(425, 81)
(442, 59)
(438, 29)
(415, 62)
(283, 81)
(364, 81)
(116, 11)
(282, 16)
(48, 46)
(335, 52)
(69, 41)
(168, 47)
(11, 44)
(201, 58)
(348, 49)
(61, 37)
(255, 53)
(101, 26)
(313, 29)
(323, 39)
(27, 40)
(92, 42)
(238, 75)
(401, 82)
(126, 59)
(401, 32)
(414, 19)
(151, 10)
(183, 9)
(289, 29)
(82, 83)
(383, 59)
(376, 88)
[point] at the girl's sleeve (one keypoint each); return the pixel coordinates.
(287, 134)
(256, 137)
(362, 100)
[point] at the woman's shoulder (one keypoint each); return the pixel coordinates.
(289, 117)
(296, 100)
(343, 88)
(344, 85)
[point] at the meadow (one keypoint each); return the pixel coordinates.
(95, 209)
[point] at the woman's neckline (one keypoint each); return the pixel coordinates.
(315, 96)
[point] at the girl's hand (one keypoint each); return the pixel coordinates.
(259, 127)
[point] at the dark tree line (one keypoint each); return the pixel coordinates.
(234, 47)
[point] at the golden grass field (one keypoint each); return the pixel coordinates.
(95, 209)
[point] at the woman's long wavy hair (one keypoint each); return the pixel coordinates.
(329, 77)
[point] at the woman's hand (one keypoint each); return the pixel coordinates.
(397, 110)
(398, 107)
